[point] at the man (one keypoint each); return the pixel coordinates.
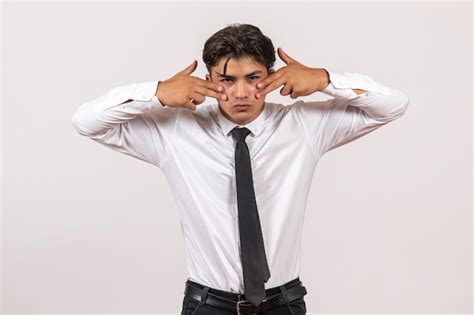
(240, 170)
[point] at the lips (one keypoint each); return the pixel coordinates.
(241, 105)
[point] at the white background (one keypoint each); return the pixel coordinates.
(88, 230)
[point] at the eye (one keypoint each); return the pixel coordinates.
(252, 77)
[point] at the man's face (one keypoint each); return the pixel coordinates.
(240, 85)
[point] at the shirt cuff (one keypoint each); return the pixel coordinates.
(144, 91)
(146, 94)
(341, 85)
(155, 103)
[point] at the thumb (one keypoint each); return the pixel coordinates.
(285, 57)
(189, 69)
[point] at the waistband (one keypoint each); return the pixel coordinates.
(238, 296)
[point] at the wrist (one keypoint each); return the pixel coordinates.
(156, 93)
(321, 79)
(325, 79)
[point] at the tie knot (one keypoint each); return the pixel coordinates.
(240, 134)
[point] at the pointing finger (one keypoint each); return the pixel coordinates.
(272, 86)
(272, 77)
(210, 85)
(208, 92)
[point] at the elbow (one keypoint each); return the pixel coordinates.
(76, 122)
(400, 103)
(404, 101)
(79, 125)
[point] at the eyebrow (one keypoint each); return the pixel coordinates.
(232, 77)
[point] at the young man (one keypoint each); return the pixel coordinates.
(240, 170)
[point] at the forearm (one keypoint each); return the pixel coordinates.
(327, 80)
(381, 102)
(117, 106)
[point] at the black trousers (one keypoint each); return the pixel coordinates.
(193, 307)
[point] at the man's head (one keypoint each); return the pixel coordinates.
(238, 57)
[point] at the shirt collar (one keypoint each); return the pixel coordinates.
(254, 126)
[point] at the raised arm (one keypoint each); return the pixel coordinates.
(349, 115)
(129, 119)
(140, 119)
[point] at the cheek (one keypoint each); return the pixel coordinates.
(251, 94)
(254, 89)
(251, 87)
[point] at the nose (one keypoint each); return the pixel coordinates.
(241, 90)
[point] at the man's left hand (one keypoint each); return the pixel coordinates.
(296, 78)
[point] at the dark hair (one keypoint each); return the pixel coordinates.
(239, 40)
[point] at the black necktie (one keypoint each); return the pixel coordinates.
(254, 260)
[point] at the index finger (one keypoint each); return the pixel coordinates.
(272, 86)
(208, 92)
(211, 85)
(272, 77)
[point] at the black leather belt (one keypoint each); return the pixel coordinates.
(243, 306)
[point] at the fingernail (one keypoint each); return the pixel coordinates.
(259, 85)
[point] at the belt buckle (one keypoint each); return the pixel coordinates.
(245, 301)
(238, 307)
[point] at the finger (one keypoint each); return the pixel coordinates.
(210, 85)
(285, 57)
(272, 77)
(272, 86)
(193, 100)
(190, 105)
(189, 69)
(207, 92)
(197, 97)
(287, 89)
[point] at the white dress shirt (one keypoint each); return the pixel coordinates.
(195, 152)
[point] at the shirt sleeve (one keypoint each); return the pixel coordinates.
(348, 115)
(142, 127)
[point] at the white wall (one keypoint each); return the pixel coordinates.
(88, 230)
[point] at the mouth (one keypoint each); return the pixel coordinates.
(242, 106)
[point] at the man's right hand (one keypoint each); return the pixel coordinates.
(178, 90)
